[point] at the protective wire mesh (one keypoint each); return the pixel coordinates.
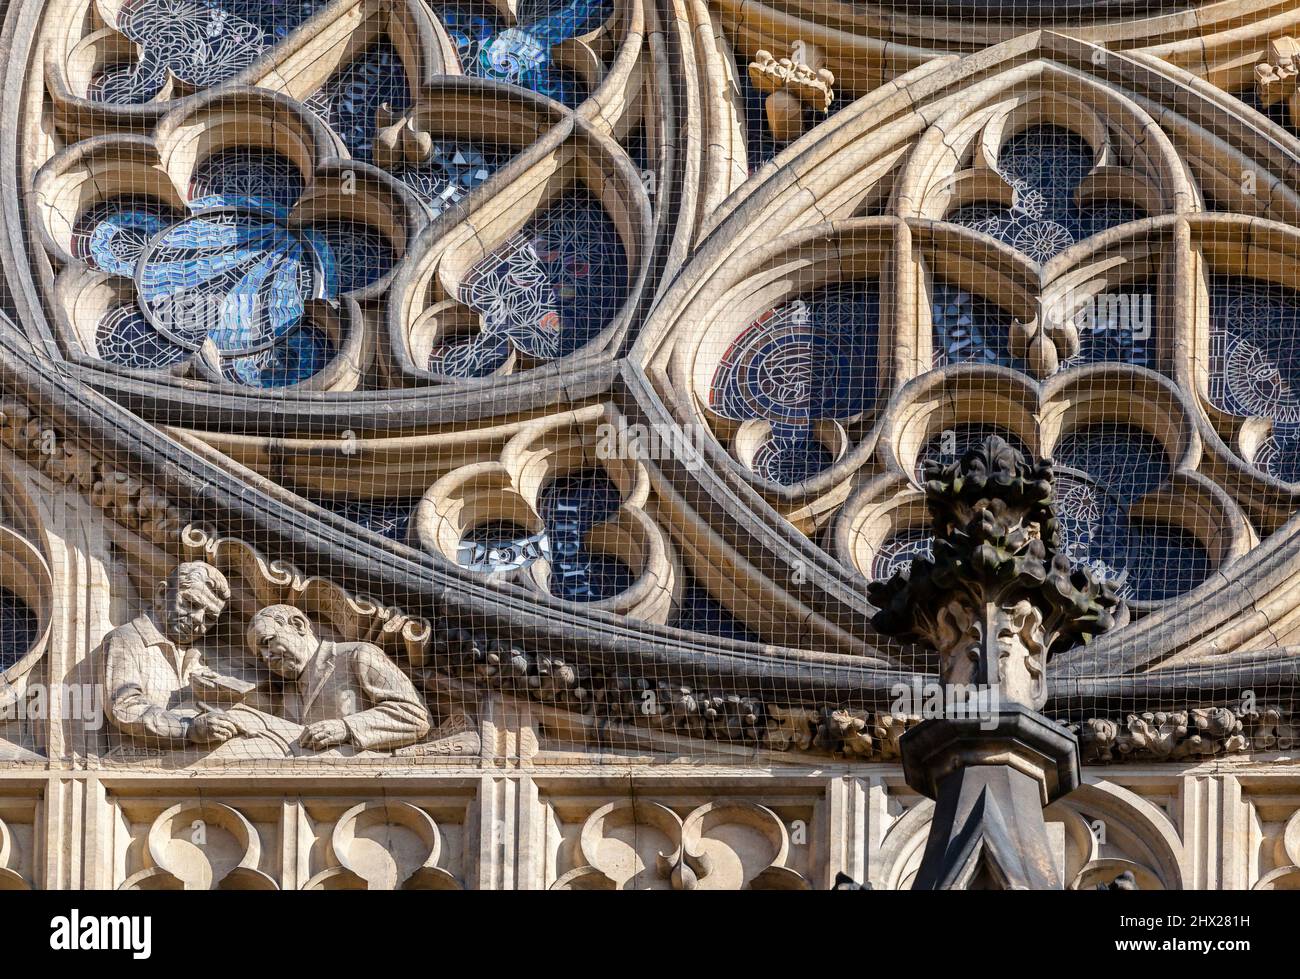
(410, 366)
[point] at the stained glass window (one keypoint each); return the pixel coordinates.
(351, 100)
(1254, 365)
(521, 55)
(968, 327)
(811, 359)
(547, 291)
(501, 545)
(570, 506)
(388, 518)
(18, 626)
(199, 42)
(1045, 165)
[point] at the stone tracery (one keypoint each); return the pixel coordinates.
(1074, 160)
(1036, 247)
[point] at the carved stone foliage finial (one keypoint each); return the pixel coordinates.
(999, 595)
(794, 85)
(1277, 76)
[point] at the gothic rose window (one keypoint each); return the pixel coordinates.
(810, 361)
(545, 304)
(1254, 327)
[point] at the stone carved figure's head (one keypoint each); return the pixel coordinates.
(188, 601)
(282, 637)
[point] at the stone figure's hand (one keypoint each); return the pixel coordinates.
(212, 728)
(324, 734)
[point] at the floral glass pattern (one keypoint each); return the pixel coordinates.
(199, 42)
(1045, 164)
(544, 293)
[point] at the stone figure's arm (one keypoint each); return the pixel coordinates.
(398, 716)
(130, 711)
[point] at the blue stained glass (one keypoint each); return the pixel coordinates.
(521, 55)
(698, 611)
(200, 42)
(353, 255)
(1112, 327)
(111, 235)
(810, 359)
(968, 328)
(1127, 460)
(791, 455)
(554, 21)
(1279, 455)
(1045, 164)
(1164, 560)
(1118, 326)
(230, 275)
(248, 177)
(1104, 470)
(352, 97)
(478, 356)
(570, 506)
(232, 271)
(501, 545)
(124, 337)
(18, 628)
(450, 172)
(297, 357)
(1255, 363)
(389, 518)
(545, 292)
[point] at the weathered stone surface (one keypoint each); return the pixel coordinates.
(247, 611)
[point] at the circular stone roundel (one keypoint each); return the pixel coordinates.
(524, 322)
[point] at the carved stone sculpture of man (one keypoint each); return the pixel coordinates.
(343, 692)
(150, 661)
